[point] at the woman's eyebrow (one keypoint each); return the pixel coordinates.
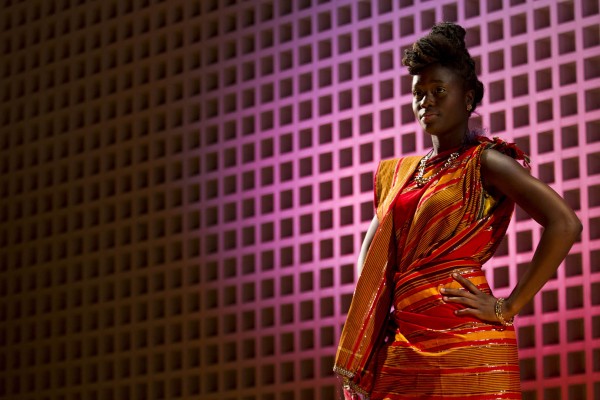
(433, 81)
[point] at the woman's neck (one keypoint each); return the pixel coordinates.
(444, 143)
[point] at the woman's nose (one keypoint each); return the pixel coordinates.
(426, 100)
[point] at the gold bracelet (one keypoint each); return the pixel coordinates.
(499, 316)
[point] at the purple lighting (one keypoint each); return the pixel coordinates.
(321, 98)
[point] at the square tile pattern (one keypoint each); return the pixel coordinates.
(184, 186)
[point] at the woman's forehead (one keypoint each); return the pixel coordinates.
(435, 74)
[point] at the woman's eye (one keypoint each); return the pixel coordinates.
(440, 90)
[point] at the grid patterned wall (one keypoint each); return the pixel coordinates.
(185, 186)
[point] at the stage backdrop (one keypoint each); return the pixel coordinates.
(185, 184)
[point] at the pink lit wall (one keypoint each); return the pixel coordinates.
(184, 186)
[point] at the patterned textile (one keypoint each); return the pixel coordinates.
(422, 349)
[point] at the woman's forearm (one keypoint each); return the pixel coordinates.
(554, 245)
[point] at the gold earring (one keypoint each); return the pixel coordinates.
(469, 107)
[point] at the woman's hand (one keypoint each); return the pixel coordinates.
(476, 302)
(351, 395)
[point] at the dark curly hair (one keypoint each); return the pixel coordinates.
(445, 45)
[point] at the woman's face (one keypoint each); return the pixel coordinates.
(440, 101)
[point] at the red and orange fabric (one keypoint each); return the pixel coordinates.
(400, 339)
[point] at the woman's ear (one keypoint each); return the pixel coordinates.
(469, 99)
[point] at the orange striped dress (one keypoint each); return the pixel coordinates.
(421, 349)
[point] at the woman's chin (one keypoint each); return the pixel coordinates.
(428, 128)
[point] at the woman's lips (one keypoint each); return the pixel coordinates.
(427, 117)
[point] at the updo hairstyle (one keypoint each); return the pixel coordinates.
(445, 45)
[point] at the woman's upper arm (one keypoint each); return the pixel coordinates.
(373, 226)
(501, 173)
(367, 243)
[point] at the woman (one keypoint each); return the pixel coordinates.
(438, 219)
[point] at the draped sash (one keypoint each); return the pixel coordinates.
(369, 310)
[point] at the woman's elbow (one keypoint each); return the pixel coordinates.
(572, 226)
(577, 226)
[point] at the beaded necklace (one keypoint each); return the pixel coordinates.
(420, 180)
